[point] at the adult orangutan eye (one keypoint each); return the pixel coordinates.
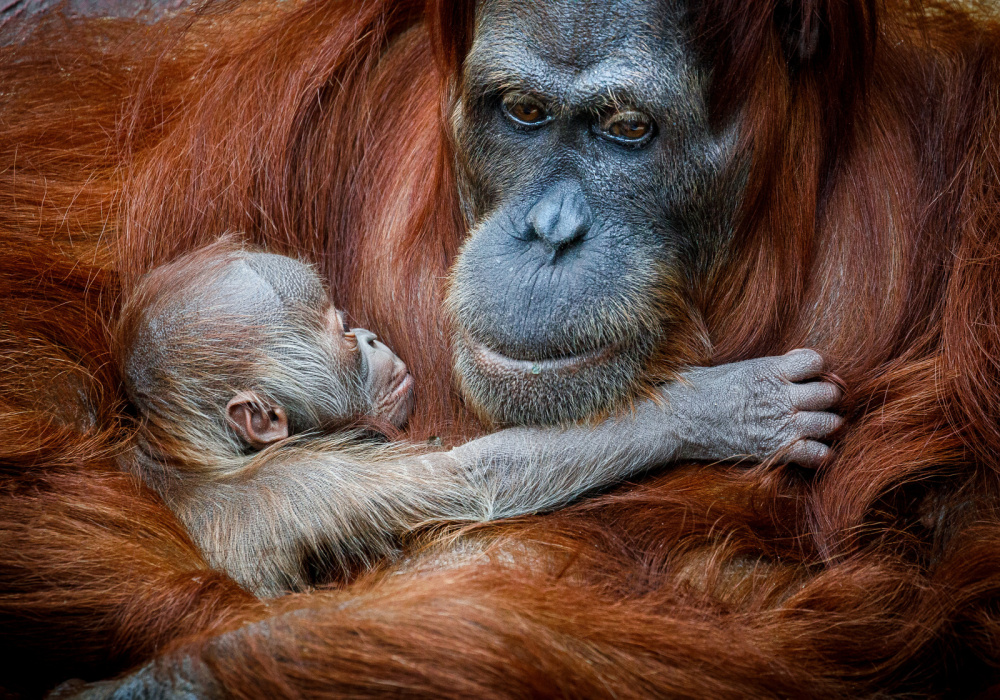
(628, 128)
(525, 111)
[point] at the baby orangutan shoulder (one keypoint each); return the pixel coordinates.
(247, 386)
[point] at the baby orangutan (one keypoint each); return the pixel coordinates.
(248, 389)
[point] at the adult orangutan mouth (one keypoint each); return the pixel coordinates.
(490, 359)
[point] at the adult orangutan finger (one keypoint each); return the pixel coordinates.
(809, 453)
(817, 424)
(815, 396)
(799, 365)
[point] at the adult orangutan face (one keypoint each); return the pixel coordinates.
(586, 166)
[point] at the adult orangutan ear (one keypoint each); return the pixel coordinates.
(258, 422)
(802, 27)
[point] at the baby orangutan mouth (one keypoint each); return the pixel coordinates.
(398, 403)
(387, 380)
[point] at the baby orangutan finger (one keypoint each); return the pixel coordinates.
(808, 453)
(799, 365)
(817, 424)
(815, 396)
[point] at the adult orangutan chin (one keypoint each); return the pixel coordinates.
(645, 184)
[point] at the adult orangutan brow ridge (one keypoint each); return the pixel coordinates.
(595, 188)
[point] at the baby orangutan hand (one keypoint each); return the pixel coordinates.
(757, 409)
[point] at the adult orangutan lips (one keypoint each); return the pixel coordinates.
(490, 359)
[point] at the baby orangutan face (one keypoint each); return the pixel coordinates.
(245, 348)
(381, 376)
(358, 360)
(386, 380)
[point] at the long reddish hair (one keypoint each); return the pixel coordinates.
(868, 230)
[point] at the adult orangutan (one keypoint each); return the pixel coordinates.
(705, 179)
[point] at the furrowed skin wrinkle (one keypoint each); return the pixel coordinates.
(819, 174)
(516, 294)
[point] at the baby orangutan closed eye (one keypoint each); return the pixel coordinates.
(247, 386)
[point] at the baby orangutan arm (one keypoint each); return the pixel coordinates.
(322, 503)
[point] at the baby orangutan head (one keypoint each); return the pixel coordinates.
(224, 352)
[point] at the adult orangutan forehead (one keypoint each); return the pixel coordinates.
(581, 54)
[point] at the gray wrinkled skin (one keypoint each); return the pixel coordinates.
(576, 239)
(756, 409)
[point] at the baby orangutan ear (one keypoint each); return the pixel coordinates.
(258, 422)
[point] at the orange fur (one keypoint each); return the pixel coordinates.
(869, 230)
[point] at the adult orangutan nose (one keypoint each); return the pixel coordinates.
(561, 217)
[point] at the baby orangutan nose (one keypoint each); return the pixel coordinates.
(387, 380)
